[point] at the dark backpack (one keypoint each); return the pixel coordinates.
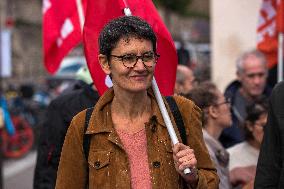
(174, 109)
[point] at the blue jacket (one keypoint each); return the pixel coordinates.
(233, 134)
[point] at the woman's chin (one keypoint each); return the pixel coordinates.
(139, 89)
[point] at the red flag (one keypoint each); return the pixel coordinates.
(271, 22)
(280, 16)
(99, 12)
(61, 31)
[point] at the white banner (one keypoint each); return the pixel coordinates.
(6, 69)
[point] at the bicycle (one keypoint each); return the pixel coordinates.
(17, 136)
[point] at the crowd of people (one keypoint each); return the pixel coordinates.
(114, 144)
(235, 123)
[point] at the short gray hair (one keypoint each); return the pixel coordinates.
(180, 73)
(245, 55)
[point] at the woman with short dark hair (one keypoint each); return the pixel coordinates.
(129, 143)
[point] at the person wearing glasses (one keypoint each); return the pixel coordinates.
(244, 156)
(216, 117)
(130, 146)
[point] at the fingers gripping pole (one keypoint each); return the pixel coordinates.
(166, 117)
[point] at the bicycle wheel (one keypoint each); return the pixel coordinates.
(21, 142)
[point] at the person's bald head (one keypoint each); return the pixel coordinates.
(184, 80)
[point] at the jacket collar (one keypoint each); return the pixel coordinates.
(101, 121)
(235, 85)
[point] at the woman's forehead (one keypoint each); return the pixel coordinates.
(130, 38)
(133, 43)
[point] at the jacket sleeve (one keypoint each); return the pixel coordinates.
(191, 114)
(72, 170)
(268, 173)
(49, 148)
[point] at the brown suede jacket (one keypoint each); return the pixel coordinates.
(107, 161)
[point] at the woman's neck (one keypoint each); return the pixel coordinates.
(213, 130)
(254, 144)
(130, 112)
(131, 105)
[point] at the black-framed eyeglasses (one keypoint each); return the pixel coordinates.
(227, 101)
(149, 59)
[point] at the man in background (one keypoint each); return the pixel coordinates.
(251, 84)
(59, 114)
(184, 80)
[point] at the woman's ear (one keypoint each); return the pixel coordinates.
(212, 112)
(104, 63)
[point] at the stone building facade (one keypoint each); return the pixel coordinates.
(26, 40)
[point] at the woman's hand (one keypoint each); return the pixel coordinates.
(242, 175)
(249, 185)
(184, 158)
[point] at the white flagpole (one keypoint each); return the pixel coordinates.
(164, 112)
(162, 106)
(80, 13)
(166, 117)
(280, 57)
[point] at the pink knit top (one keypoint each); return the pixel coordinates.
(135, 146)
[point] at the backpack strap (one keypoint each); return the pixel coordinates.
(180, 124)
(178, 118)
(86, 138)
(86, 141)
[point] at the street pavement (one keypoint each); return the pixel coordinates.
(18, 173)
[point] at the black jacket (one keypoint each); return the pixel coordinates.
(59, 115)
(233, 134)
(270, 167)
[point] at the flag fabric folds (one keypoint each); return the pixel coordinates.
(99, 12)
(271, 22)
(280, 16)
(61, 30)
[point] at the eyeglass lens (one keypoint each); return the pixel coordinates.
(130, 60)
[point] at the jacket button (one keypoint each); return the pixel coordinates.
(156, 164)
(97, 164)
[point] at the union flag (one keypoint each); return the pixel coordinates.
(61, 30)
(270, 23)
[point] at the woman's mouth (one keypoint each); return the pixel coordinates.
(139, 77)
